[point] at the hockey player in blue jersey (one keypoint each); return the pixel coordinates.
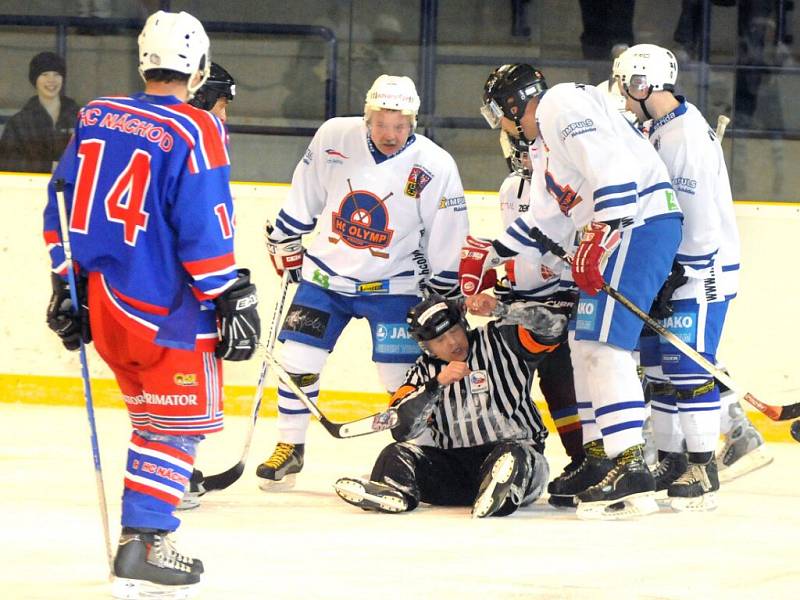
(390, 213)
(151, 226)
(685, 400)
(606, 176)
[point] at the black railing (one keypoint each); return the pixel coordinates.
(61, 25)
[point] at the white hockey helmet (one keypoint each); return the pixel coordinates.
(391, 92)
(177, 42)
(615, 98)
(646, 67)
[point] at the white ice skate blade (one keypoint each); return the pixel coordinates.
(136, 589)
(704, 503)
(352, 491)
(636, 505)
(755, 459)
(188, 502)
(502, 470)
(281, 485)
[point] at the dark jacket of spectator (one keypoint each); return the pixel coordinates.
(31, 142)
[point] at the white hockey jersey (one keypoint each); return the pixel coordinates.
(709, 250)
(534, 273)
(384, 224)
(593, 176)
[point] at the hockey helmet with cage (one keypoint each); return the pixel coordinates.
(220, 84)
(517, 155)
(646, 67)
(175, 42)
(434, 316)
(392, 92)
(508, 90)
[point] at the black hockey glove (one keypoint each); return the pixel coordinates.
(70, 326)
(662, 307)
(239, 325)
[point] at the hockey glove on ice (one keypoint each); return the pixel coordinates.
(476, 272)
(239, 325)
(662, 307)
(598, 241)
(70, 326)
(286, 255)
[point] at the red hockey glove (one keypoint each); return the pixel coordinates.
(598, 241)
(286, 255)
(476, 269)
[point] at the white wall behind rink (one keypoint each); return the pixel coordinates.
(759, 343)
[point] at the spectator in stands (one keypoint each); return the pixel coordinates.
(35, 137)
(607, 32)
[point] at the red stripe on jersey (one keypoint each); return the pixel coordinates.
(205, 266)
(212, 140)
(51, 237)
(141, 442)
(141, 305)
(151, 491)
(171, 123)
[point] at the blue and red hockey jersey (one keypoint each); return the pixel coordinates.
(148, 197)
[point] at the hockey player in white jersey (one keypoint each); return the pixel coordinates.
(390, 212)
(606, 176)
(535, 274)
(685, 400)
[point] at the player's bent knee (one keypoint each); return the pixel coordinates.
(302, 358)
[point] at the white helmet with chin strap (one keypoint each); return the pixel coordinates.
(646, 68)
(176, 42)
(390, 92)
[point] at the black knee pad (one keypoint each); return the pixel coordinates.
(304, 379)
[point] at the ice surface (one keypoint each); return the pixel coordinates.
(306, 543)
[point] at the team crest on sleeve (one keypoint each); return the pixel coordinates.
(362, 222)
(418, 178)
(546, 272)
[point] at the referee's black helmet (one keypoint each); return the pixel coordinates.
(433, 316)
(220, 84)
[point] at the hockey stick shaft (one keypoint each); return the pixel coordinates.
(773, 412)
(222, 480)
(722, 124)
(87, 387)
(364, 426)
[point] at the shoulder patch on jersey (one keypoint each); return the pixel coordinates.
(458, 203)
(418, 178)
(577, 128)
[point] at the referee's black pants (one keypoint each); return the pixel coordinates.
(442, 477)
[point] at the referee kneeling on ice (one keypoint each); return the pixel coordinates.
(471, 391)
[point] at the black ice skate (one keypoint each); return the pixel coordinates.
(627, 491)
(668, 470)
(278, 472)
(371, 495)
(503, 487)
(148, 566)
(695, 489)
(193, 491)
(578, 476)
(744, 450)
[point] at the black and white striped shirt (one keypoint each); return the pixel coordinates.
(500, 409)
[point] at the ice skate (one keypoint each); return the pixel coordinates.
(627, 491)
(507, 480)
(278, 472)
(668, 469)
(194, 489)
(148, 566)
(370, 495)
(744, 450)
(578, 477)
(695, 489)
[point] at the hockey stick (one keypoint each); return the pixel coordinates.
(371, 424)
(722, 123)
(222, 480)
(87, 387)
(776, 413)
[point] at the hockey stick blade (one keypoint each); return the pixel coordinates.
(776, 413)
(220, 481)
(365, 426)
